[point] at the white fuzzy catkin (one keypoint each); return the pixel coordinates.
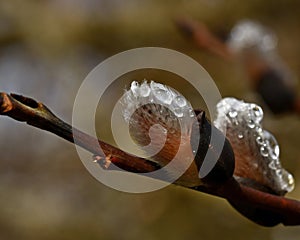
(242, 123)
(145, 93)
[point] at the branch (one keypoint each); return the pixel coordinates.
(263, 208)
(203, 37)
(38, 115)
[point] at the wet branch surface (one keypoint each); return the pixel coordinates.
(20, 108)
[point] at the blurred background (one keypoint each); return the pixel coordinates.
(46, 50)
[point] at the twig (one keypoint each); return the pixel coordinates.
(276, 209)
(38, 115)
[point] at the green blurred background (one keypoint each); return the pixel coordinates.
(46, 50)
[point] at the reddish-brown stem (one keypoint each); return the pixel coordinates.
(38, 115)
(203, 37)
(287, 210)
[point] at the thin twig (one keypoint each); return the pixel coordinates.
(38, 115)
(284, 210)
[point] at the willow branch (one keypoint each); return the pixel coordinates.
(38, 115)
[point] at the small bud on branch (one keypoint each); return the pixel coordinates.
(279, 209)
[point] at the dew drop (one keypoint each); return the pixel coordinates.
(259, 130)
(135, 88)
(272, 143)
(264, 151)
(164, 96)
(289, 180)
(145, 90)
(273, 155)
(232, 114)
(240, 136)
(178, 112)
(251, 124)
(278, 172)
(180, 101)
(191, 112)
(259, 140)
(272, 165)
(156, 86)
(257, 113)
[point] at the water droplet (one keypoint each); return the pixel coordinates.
(272, 165)
(289, 180)
(192, 113)
(180, 101)
(257, 113)
(156, 86)
(259, 140)
(273, 156)
(278, 171)
(145, 90)
(259, 130)
(135, 88)
(264, 151)
(240, 136)
(178, 112)
(232, 114)
(164, 96)
(272, 143)
(251, 123)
